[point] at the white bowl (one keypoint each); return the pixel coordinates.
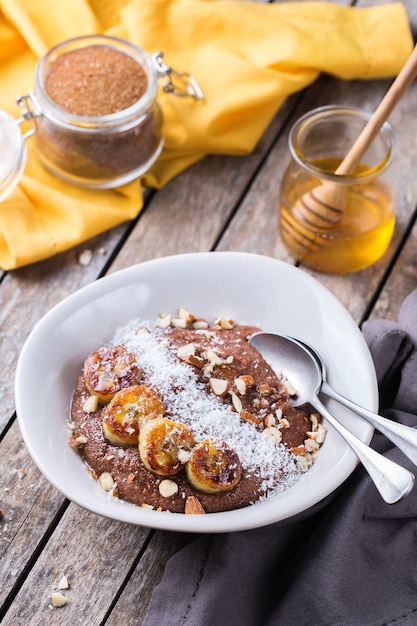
(249, 288)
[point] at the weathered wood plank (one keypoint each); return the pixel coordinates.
(190, 213)
(101, 557)
(28, 503)
(401, 282)
(132, 606)
(26, 294)
(95, 554)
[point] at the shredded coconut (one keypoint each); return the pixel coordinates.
(186, 400)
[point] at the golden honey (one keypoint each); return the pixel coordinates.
(358, 240)
(318, 142)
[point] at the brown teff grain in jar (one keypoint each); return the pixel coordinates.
(95, 81)
(103, 127)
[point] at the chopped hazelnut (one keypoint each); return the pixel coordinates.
(200, 324)
(273, 434)
(168, 488)
(179, 322)
(224, 323)
(106, 481)
(195, 361)
(63, 583)
(91, 404)
(240, 386)
(219, 386)
(213, 357)
(185, 351)
(58, 599)
(164, 321)
(185, 314)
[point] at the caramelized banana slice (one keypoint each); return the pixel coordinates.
(213, 467)
(129, 409)
(165, 445)
(108, 370)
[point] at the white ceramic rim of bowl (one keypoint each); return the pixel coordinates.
(45, 380)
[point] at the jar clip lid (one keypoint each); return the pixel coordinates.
(30, 109)
(179, 84)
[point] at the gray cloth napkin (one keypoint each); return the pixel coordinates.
(351, 561)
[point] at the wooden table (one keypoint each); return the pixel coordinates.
(113, 567)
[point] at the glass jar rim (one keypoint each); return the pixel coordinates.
(13, 149)
(326, 112)
(125, 117)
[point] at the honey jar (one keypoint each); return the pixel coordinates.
(94, 114)
(318, 143)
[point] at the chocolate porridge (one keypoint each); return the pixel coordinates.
(180, 416)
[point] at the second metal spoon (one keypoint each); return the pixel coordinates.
(404, 437)
(288, 356)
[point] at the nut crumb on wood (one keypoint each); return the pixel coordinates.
(63, 583)
(58, 599)
(85, 257)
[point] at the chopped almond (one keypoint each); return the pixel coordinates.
(246, 416)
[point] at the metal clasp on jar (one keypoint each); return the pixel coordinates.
(30, 110)
(179, 84)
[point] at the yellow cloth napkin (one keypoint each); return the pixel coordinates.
(247, 57)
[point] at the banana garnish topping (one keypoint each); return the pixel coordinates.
(165, 445)
(129, 409)
(108, 370)
(213, 467)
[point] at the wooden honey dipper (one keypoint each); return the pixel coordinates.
(322, 207)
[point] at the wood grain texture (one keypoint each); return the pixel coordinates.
(401, 281)
(28, 293)
(220, 203)
(29, 504)
(191, 212)
(131, 607)
(95, 554)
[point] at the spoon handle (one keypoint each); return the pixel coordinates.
(381, 113)
(392, 481)
(404, 437)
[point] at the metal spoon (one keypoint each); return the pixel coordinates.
(287, 356)
(404, 437)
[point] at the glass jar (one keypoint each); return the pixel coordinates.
(356, 227)
(94, 112)
(14, 154)
(74, 140)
